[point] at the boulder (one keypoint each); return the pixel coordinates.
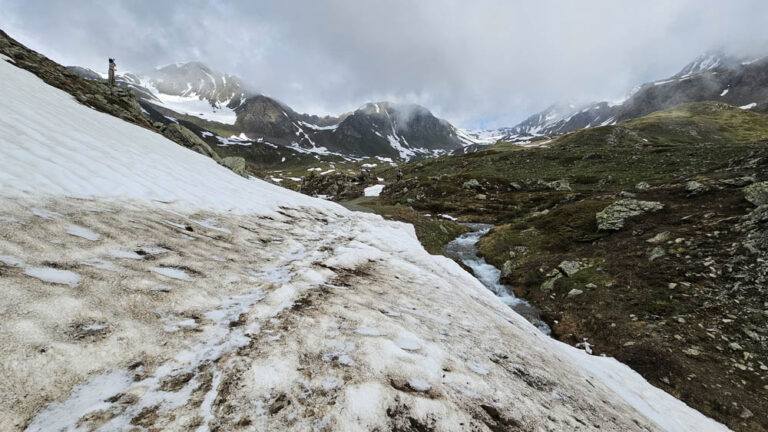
(471, 184)
(757, 193)
(570, 268)
(659, 238)
(480, 197)
(642, 186)
(236, 164)
(612, 217)
(552, 277)
(507, 268)
(656, 252)
(695, 188)
(574, 292)
(558, 185)
(189, 139)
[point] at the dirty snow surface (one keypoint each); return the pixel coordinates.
(189, 298)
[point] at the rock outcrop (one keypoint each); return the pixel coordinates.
(612, 217)
(757, 193)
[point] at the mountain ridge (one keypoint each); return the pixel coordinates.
(388, 129)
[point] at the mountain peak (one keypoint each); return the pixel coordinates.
(183, 66)
(709, 60)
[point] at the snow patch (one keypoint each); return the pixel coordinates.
(373, 191)
(56, 276)
(82, 232)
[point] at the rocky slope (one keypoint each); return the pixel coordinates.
(640, 240)
(146, 287)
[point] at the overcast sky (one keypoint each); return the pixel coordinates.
(478, 63)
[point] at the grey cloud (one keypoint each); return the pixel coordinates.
(478, 63)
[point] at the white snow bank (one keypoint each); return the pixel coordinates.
(373, 191)
(748, 106)
(83, 153)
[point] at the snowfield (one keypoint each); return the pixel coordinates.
(145, 287)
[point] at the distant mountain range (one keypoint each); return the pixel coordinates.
(228, 113)
(221, 105)
(713, 76)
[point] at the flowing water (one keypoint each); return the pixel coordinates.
(464, 248)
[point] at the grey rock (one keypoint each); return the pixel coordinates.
(236, 164)
(612, 217)
(507, 268)
(656, 252)
(549, 284)
(757, 193)
(570, 268)
(695, 188)
(659, 238)
(189, 139)
(558, 185)
(480, 197)
(642, 186)
(740, 181)
(518, 251)
(471, 184)
(574, 292)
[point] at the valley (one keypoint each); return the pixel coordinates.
(634, 230)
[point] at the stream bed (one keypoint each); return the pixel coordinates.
(464, 249)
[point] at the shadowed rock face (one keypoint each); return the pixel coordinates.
(261, 115)
(376, 129)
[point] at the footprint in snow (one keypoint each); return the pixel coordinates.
(121, 254)
(407, 344)
(477, 368)
(173, 273)
(419, 385)
(99, 264)
(368, 331)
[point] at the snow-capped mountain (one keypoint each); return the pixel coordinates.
(708, 61)
(145, 286)
(390, 129)
(376, 129)
(386, 129)
(711, 76)
(192, 89)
